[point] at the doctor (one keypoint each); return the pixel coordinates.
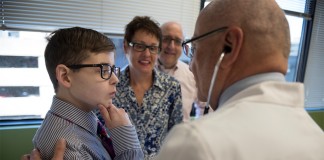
(240, 50)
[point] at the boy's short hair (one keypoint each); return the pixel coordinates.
(70, 46)
(143, 23)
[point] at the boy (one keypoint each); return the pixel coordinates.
(80, 63)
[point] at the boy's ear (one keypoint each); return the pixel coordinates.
(62, 75)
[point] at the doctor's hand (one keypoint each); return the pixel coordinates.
(58, 152)
(114, 117)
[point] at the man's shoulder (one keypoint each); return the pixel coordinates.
(183, 68)
(184, 75)
(204, 128)
(182, 65)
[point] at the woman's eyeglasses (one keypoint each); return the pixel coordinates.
(142, 47)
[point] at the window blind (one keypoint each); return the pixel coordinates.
(314, 77)
(107, 16)
(298, 8)
(301, 6)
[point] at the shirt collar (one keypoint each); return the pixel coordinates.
(247, 82)
(160, 67)
(67, 111)
(125, 78)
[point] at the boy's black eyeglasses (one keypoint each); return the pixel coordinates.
(189, 50)
(142, 47)
(105, 69)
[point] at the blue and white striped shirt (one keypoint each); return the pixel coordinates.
(79, 129)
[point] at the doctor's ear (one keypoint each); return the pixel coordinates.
(233, 45)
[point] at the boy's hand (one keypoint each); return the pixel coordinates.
(114, 117)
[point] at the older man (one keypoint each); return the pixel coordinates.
(168, 62)
(243, 47)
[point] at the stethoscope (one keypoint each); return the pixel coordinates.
(212, 82)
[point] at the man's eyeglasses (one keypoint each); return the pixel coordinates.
(105, 69)
(189, 50)
(168, 40)
(142, 47)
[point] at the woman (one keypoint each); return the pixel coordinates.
(151, 98)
